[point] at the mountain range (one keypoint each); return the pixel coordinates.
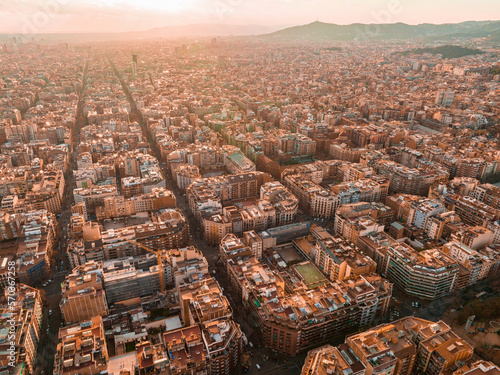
(319, 31)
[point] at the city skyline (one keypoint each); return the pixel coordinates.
(111, 16)
(231, 187)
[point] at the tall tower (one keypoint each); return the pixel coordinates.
(134, 63)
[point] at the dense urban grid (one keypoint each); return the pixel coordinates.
(235, 205)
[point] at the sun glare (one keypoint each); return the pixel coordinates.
(167, 6)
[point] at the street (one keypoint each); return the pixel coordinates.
(59, 267)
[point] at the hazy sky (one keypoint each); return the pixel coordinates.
(44, 16)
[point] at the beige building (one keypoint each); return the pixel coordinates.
(410, 345)
(185, 175)
(82, 349)
(25, 310)
(338, 258)
(330, 360)
(83, 296)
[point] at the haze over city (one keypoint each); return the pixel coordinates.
(228, 187)
(111, 16)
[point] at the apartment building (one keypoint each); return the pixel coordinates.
(401, 204)
(338, 258)
(130, 278)
(82, 349)
(474, 237)
(201, 300)
(255, 242)
(356, 220)
(312, 197)
(292, 321)
(429, 274)
(356, 171)
(284, 202)
(186, 351)
(202, 156)
(257, 214)
(423, 209)
(150, 178)
(374, 189)
(344, 152)
(330, 360)
(410, 345)
(323, 204)
(119, 206)
(235, 161)
(185, 175)
(206, 196)
(471, 211)
(473, 266)
(442, 351)
(24, 313)
(478, 368)
(94, 196)
(165, 229)
(408, 180)
(436, 225)
(224, 344)
(488, 194)
(83, 296)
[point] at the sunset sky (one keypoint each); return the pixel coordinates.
(48, 16)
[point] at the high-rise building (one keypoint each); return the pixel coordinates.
(445, 98)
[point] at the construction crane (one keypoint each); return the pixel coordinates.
(159, 255)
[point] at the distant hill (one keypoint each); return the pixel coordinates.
(319, 31)
(447, 51)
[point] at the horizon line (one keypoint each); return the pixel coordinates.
(244, 25)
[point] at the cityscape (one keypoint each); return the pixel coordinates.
(275, 198)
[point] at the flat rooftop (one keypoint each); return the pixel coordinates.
(289, 254)
(312, 277)
(122, 222)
